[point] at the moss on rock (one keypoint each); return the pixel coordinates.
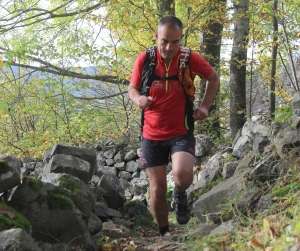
(70, 184)
(17, 221)
(35, 184)
(57, 200)
(60, 201)
(131, 203)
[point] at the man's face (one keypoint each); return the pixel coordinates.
(168, 41)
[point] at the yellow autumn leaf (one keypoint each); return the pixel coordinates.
(3, 115)
(266, 225)
(107, 247)
(1, 63)
(236, 245)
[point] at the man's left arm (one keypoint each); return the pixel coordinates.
(212, 85)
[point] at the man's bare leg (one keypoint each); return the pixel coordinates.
(158, 188)
(182, 169)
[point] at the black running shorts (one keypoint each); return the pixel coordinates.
(158, 152)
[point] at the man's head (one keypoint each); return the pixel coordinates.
(169, 36)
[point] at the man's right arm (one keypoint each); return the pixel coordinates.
(141, 101)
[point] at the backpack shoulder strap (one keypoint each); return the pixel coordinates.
(183, 63)
(185, 53)
(148, 74)
(148, 70)
(185, 75)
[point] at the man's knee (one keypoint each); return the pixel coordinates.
(159, 194)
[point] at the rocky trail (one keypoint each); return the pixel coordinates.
(147, 238)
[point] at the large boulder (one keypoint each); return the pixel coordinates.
(203, 145)
(80, 193)
(211, 201)
(296, 110)
(10, 171)
(87, 154)
(61, 163)
(286, 140)
(52, 212)
(112, 191)
(17, 239)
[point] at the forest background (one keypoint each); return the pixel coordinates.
(66, 64)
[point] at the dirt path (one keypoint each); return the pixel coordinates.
(147, 238)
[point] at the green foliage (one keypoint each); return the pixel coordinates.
(18, 221)
(169, 195)
(87, 41)
(280, 192)
(144, 220)
(70, 184)
(283, 114)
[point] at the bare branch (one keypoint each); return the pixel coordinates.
(100, 98)
(50, 15)
(68, 73)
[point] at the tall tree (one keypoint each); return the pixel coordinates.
(210, 48)
(274, 60)
(238, 66)
(165, 7)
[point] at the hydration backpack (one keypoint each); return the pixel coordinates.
(184, 76)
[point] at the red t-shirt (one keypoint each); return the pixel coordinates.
(165, 118)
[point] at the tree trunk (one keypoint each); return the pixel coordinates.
(238, 67)
(210, 48)
(274, 57)
(165, 7)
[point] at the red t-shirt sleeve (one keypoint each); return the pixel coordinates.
(199, 66)
(136, 77)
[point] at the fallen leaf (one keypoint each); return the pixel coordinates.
(226, 238)
(10, 215)
(268, 249)
(106, 238)
(254, 243)
(198, 240)
(107, 247)
(278, 234)
(236, 245)
(3, 210)
(266, 225)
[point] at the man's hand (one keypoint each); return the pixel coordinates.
(200, 113)
(144, 102)
(141, 101)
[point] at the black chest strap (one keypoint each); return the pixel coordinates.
(164, 78)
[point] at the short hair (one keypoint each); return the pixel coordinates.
(171, 21)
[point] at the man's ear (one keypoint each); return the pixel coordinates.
(156, 36)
